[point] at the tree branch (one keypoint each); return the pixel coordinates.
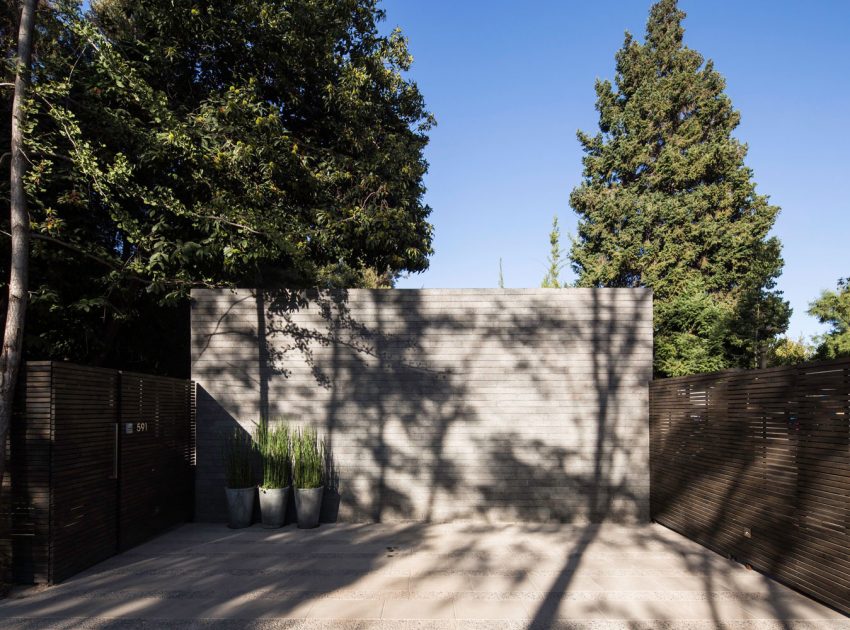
(108, 263)
(71, 246)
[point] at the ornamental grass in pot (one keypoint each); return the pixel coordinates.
(308, 463)
(275, 452)
(239, 477)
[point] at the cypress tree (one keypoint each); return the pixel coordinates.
(551, 280)
(667, 202)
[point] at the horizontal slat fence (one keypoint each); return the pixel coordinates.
(26, 503)
(83, 491)
(156, 480)
(756, 465)
(99, 460)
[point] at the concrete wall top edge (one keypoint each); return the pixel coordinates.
(245, 291)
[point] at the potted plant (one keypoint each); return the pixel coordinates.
(239, 475)
(274, 450)
(308, 464)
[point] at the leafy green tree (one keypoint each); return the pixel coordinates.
(667, 202)
(550, 280)
(787, 351)
(833, 308)
(178, 144)
(316, 137)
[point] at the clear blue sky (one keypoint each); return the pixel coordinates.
(511, 82)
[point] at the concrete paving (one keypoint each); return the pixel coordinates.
(399, 576)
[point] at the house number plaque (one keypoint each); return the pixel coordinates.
(135, 427)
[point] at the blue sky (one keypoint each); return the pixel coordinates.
(511, 82)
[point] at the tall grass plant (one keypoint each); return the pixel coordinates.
(238, 455)
(308, 455)
(274, 446)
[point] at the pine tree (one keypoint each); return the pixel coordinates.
(667, 202)
(550, 280)
(501, 276)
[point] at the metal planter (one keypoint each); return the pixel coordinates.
(273, 506)
(308, 506)
(240, 506)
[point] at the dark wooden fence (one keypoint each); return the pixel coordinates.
(100, 460)
(756, 465)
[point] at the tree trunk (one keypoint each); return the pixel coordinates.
(16, 308)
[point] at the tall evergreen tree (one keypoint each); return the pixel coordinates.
(551, 280)
(667, 202)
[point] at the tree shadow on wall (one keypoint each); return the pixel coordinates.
(306, 359)
(365, 376)
(366, 386)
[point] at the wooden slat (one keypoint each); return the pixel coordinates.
(156, 465)
(757, 465)
(67, 510)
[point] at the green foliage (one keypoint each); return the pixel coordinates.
(275, 451)
(786, 351)
(238, 455)
(691, 328)
(308, 457)
(371, 279)
(550, 280)
(833, 308)
(501, 276)
(176, 144)
(667, 202)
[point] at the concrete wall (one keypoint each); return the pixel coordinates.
(499, 404)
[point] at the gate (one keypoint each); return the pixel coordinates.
(155, 480)
(99, 461)
(756, 464)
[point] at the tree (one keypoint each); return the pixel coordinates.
(501, 276)
(550, 280)
(177, 144)
(690, 331)
(787, 351)
(305, 103)
(667, 202)
(833, 308)
(16, 304)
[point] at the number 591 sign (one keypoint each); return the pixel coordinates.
(136, 427)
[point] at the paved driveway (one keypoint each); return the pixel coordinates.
(418, 576)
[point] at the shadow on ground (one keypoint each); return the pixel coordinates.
(460, 575)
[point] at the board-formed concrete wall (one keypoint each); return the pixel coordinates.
(496, 404)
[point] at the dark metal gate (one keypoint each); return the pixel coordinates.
(100, 460)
